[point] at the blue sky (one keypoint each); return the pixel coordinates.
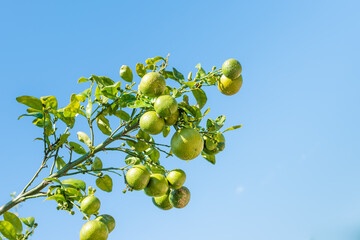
(292, 171)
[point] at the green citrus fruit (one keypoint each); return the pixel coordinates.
(165, 106)
(152, 84)
(157, 186)
(169, 121)
(126, 73)
(220, 144)
(228, 86)
(108, 220)
(94, 230)
(179, 198)
(151, 123)
(138, 177)
(90, 205)
(187, 143)
(162, 202)
(231, 68)
(210, 144)
(176, 178)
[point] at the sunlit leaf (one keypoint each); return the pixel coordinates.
(56, 197)
(82, 79)
(29, 101)
(200, 97)
(139, 104)
(220, 121)
(60, 163)
(105, 183)
(83, 137)
(29, 221)
(49, 102)
(97, 164)
(14, 220)
(166, 131)
(77, 148)
(151, 61)
(233, 128)
(178, 75)
(75, 183)
(132, 160)
(208, 157)
(7, 230)
(122, 115)
(103, 124)
(140, 69)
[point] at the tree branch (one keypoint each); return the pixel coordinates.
(62, 172)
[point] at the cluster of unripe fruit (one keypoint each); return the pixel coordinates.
(167, 191)
(187, 143)
(231, 79)
(99, 228)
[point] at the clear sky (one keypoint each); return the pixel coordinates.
(292, 171)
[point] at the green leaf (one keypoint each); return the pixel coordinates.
(14, 220)
(178, 75)
(233, 128)
(140, 69)
(97, 164)
(126, 73)
(151, 61)
(60, 163)
(220, 121)
(200, 97)
(29, 221)
(132, 160)
(192, 110)
(63, 139)
(83, 137)
(88, 109)
(56, 197)
(126, 98)
(82, 79)
(210, 158)
(168, 74)
(206, 112)
(105, 183)
(73, 108)
(166, 131)
(122, 115)
(201, 72)
(77, 148)
(190, 84)
(103, 124)
(153, 154)
(139, 104)
(111, 90)
(75, 183)
(210, 125)
(73, 192)
(107, 81)
(33, 114)
(8, 230)
(29, 101)
(49, 102)
(69, 121)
